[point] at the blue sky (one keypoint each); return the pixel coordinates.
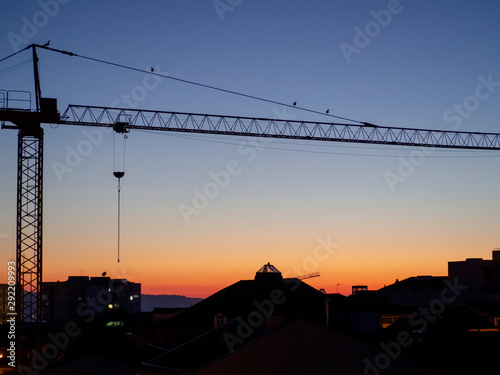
(416, 64)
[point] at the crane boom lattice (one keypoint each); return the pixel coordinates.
(277, 128)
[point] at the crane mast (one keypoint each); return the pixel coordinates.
(29, 219)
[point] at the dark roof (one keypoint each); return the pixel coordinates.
(453, 319)
(148, 352)
(92, 365)
(371, 301)
(168, 310)
(486, 308)
(336, 299)
(292, 298)
(301, 347)
(418, 282)
(208, 347)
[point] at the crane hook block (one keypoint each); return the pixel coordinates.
(121, 127)
(118, 174)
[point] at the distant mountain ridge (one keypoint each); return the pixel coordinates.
(150, 301)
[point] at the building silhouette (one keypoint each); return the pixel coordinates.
(83, 297)
(271, 325)
(414, 291)
(481, 276)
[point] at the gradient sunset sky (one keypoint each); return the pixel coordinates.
(385, 212)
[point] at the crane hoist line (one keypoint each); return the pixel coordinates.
(30, 158)
(119, 128)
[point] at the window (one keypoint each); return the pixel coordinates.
(219, 320)
(387, 320)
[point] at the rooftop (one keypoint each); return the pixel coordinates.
(268, 268)
(268, 272)
(418, 282)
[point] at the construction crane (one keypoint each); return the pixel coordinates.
(308, 276)
(30, 157)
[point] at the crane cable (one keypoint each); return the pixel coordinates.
(15, 53)
(196, 83)
(119, 189)
(119, 175)
(10, 69)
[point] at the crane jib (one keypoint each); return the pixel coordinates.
(129, 119)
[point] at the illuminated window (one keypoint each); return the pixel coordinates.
(114, 324)
(387, 320)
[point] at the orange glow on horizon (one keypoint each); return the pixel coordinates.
(201, 268)
(203, 280)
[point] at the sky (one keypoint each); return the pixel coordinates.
(357, 214)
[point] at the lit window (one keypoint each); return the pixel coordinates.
(114, 324)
